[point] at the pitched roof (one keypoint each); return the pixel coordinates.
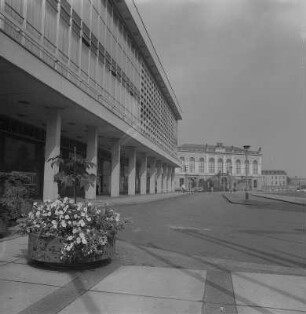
(207, 148)
(273, 172)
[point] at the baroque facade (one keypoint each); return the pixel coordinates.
(218, 167)
(82, 76)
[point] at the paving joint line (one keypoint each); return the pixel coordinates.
(144, 295)
(31, 283)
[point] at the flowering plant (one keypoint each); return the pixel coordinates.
(84, 228)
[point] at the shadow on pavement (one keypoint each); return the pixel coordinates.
(270, 257)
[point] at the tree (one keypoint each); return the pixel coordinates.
(73, 172)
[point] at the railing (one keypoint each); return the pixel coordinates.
(21, 35)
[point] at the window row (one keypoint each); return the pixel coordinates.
(221, 167)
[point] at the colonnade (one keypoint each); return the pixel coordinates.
(161, 174)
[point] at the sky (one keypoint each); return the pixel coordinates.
(238, 70)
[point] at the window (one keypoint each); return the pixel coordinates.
(247, 167)
(220, 165)
(229, 166)
(182, 159)
(50, 24)
(34, 16)
(15, 9)
(211, 165)
(238, 166)
(191, 164)
(255, 167)
(93, 65)
(63, 38)
(85, 59)
(74, 48)
(201, 165)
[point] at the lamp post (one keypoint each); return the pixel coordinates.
(246, 148)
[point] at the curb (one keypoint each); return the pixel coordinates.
(237, 202)
(136, 201)
(279, 199)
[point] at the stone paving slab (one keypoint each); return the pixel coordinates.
(16, 296)
(30, 274)
(270, 291)
(184, 284)
(109, 303)
(14, 249)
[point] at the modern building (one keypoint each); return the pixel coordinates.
(273, 180)
(82, 75)
(218, 167)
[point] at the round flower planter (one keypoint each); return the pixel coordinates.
(48, 250)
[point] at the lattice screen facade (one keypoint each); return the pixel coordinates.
(157, 119)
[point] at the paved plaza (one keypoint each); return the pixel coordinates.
(143, 279)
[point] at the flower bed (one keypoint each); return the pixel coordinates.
(65, 232)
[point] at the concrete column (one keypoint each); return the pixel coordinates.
(152, 175)
(52, 149)
(173, 179)
(132, 171)
(165, 177)
(92, 156)
(143, 174)
(159, 176)
(115, 171)
(169, 175)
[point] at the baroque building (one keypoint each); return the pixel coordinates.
(82, 77)
(218, 167)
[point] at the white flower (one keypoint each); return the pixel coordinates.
(74, 230)
(84, 241)
(63, 223)
(37, 213)
(78, 240)
(70, 238)
(67, 217)
(69, 222)
(75, 216)
(82, 223)
(82, 235)
(88, 218)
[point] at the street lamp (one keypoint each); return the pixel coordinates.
(246, 148)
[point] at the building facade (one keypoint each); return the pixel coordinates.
(81, 76)
(272, 180)
(218, 167)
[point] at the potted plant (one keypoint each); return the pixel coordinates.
(73, 172)
(68, 233)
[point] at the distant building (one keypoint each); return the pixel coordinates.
(296, 183)
(273, 180)
(217, 167)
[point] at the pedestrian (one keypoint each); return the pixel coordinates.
(183, 189)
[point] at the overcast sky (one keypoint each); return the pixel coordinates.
(236, 67)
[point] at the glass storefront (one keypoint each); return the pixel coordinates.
(22, 151)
